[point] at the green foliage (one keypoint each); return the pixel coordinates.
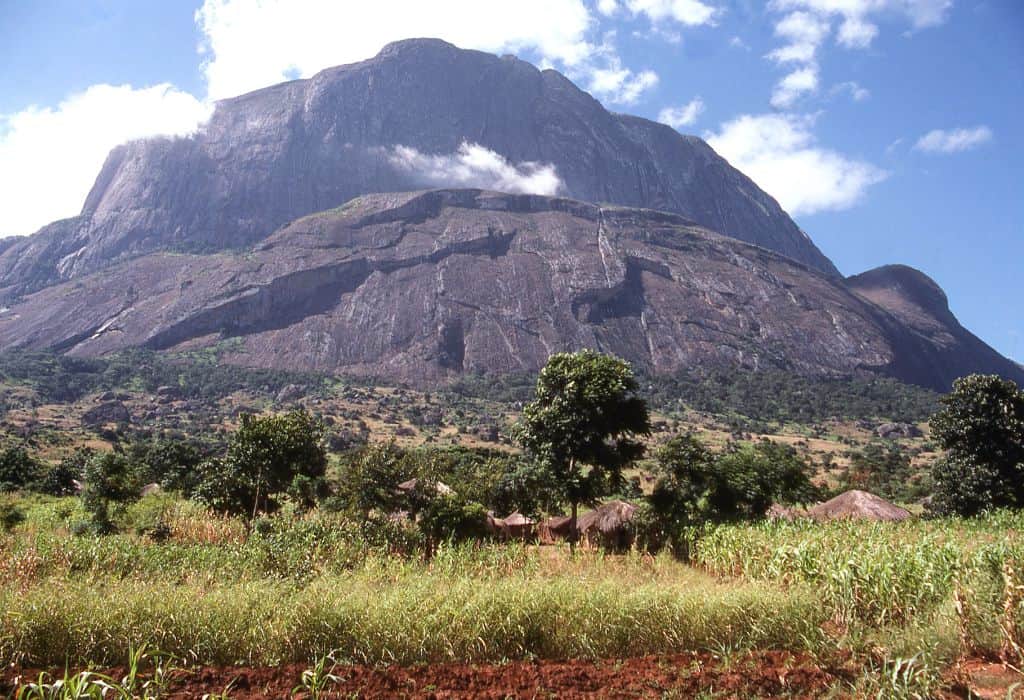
(10, 514)
(583, 423)
(696, 487)
(786, 397)
(981, 427)
(368, 478)
(17, 469)
(268, 456)
(170, 463)
(452, 518)
(884, 468)
(60, 479)
(110, 478)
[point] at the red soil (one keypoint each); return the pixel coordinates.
(758, 675)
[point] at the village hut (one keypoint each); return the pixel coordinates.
(553, 529)
(608, 525)
(496, 527)
(519, 526)
(409, 486)
(858, 505)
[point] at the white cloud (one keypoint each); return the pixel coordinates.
(779, 153)
(953, 140)
(804, 32)
(618, 84)
(806, 25)
(474, 165)
(49, 157)
(682, 116)
(688, 12)
(853, 89)
(793, 86)
(251, 44)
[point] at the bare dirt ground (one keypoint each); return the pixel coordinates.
(765, 674)
(760, 675)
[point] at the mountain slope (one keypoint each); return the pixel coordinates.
(423, 286)
(273, 155)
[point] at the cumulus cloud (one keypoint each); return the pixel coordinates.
(250, 44)
(474, 165)
(793, 86)
(49, 157)
(618, 84)
(803, 33)
(953, 140)
(685, 115)
(778, 151)
(688, 12)
(807, 24)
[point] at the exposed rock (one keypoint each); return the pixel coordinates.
(421, 287)
(289, 393)
(171, 392)
(273, 155)
(107, 412)
(891, 431)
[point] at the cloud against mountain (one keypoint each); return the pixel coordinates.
(474, 165)
(687, 114)
(779, 153)
(50, 156)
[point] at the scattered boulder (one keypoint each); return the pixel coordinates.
(171, 392)
(859, 505)
(891, 431)
(150, 490)
(289, 393)
(106, 396)
(106, 412)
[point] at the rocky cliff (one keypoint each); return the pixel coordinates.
(273, 155)
(422, 286)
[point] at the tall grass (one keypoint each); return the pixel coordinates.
(405, 613)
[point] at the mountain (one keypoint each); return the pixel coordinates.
(271, 156)
(422, 286)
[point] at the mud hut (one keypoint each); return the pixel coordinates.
(554, 529)
(519, 526)
(859, 505)
(608, 525)
(496, 527)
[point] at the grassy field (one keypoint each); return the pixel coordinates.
(901, 602)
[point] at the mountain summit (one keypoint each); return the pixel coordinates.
(392, 123)
(306, 224)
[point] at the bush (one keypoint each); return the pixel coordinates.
(452, 518)
(17, 469)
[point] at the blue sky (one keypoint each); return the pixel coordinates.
(889, 129)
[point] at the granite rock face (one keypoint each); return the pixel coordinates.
(271, 156)
(423, 286)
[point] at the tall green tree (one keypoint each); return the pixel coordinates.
(981, 427)
(266, 457)
(583, 425)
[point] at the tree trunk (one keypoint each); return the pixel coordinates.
(573, 533)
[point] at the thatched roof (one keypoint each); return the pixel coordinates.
(517, 519)
(859, 505)
(608, 518)
(410, 485)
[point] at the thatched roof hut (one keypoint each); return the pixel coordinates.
(858, 505)
(410, 486)
(553, 529)
(519, 526)
(608, 525)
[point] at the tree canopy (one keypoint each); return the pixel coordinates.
(583, 424)
(981, 427)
